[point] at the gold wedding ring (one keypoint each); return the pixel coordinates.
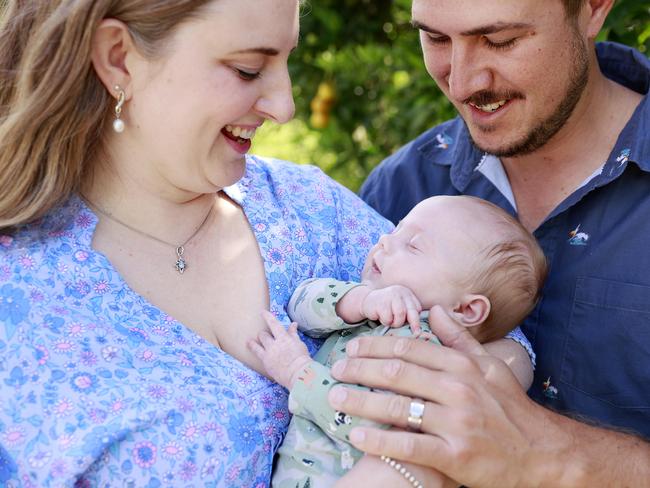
(416, 412)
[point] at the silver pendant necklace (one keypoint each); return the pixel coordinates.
(181, 263)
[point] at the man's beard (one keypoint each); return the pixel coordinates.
(547, 128)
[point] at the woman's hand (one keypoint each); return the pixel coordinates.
(478, 427)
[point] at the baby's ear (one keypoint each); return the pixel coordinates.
(472, 310)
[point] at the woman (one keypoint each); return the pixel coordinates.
(100, 383)
(140, 243)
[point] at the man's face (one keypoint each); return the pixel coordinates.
(514, 69)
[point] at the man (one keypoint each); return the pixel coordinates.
(555, 130)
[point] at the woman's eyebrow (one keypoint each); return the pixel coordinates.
(266, 51)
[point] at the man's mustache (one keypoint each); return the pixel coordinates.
(486, 97)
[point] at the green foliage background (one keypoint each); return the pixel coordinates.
(368, 51)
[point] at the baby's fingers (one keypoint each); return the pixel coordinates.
(413, 317)
(265, 339)
(275, 326)
(293, 329)
(385, 314)
(256, 348)
(399, 312)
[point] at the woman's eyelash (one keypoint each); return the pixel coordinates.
(248, 75)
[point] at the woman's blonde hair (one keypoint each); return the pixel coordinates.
(53, 107)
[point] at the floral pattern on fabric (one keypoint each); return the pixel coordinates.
(101, 388)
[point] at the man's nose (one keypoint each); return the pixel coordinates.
(468, 73)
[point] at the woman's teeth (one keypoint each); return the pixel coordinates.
(240, 132)
(490, 107)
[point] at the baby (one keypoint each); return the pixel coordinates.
(460, 252)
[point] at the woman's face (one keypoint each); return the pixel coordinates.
(193, 112)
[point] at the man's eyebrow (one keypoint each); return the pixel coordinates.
(477, 31)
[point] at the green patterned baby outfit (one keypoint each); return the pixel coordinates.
(315, 452)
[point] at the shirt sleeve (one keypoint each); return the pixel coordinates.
(518, 336)
(313, 306)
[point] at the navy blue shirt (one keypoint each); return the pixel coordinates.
(591, 330)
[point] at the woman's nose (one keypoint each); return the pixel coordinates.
(276, 103)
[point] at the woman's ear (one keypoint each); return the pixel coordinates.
(473, 310)
(111, 45)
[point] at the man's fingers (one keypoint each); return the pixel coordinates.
(424, 449)
(382, 407)
(452, 334)
(395, 375)
(421, 353)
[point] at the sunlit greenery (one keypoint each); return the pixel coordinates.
(361, 89)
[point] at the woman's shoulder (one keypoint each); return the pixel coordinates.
(279, 170)
(64, 229)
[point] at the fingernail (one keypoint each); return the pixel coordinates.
(337, 396)
(357, 436)
(352, 348)
(401, 346)
(338, 368)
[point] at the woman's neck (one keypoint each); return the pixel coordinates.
(169, 214)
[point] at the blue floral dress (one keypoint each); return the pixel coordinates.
(100, 388)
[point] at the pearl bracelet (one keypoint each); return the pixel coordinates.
(401, 469)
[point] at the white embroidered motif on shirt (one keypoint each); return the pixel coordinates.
(577, 238)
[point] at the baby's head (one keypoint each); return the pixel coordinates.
(467, 255)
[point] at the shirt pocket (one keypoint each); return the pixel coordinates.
(607, 354)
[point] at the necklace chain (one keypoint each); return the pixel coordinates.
(181, 263)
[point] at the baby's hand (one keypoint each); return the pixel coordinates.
(281, 351)
(393, 306)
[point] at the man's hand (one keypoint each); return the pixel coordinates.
(479, 427)
(281, 351)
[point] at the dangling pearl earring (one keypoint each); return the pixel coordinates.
(118, 123)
